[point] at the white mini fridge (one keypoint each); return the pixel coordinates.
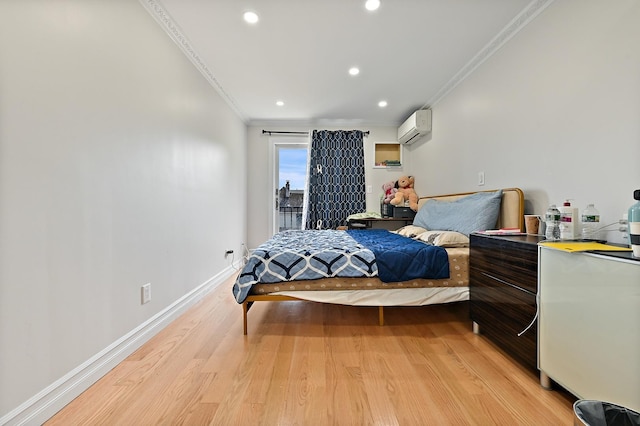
(589, 324)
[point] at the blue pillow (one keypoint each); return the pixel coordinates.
(475, 212)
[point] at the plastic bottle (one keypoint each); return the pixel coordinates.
(634, 224)
(568, 221)
(552, 223)
(590, 223)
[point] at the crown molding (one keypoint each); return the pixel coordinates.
(519, 22)
(158, 12)
(160, 15)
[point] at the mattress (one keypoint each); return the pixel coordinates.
(380, 297)
(458, 277)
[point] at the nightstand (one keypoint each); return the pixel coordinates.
(390, 224)
(503, 283)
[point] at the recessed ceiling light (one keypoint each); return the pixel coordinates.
(279, 103)
(372, 4)
(354, 71)
(382, 104)
(250, 17)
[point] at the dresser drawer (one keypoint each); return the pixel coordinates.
(504, 311)
(515, 307)
(514, 263)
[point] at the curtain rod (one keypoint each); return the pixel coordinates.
(271, 132)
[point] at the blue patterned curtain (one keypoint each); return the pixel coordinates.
(336, 178)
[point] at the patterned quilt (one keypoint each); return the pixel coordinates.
(312, 254)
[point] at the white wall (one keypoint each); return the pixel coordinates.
(116, 159)
(555, 112)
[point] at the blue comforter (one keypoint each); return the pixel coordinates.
(312, 254)
(400, 258)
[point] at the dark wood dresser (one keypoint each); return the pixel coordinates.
(503, 282)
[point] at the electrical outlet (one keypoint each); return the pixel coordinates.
(625, 225)
(228, 252)
(145, 293)
(480, 178)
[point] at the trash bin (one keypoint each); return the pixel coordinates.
(599, 413)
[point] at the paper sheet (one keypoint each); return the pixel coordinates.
(572, 246)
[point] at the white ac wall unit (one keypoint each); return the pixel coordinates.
(417, 125)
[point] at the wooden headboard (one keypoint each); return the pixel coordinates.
(511, 208)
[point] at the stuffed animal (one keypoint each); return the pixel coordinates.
(390, 190)
(406, 193)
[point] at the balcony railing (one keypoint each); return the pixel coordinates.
(290, 218)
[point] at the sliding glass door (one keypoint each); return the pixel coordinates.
(289, 182)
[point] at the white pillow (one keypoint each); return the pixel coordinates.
(410, 231)
(444, 238)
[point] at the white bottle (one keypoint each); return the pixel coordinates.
(590, 223)
(568, 221)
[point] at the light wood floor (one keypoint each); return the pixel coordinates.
(305, 363)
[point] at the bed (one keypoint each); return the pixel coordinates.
(416, 265)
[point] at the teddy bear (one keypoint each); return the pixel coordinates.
(390, 190)
(406, 193)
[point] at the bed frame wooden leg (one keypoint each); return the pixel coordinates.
(381, 315)
(245, 308)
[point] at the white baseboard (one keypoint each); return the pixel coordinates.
(54, 397)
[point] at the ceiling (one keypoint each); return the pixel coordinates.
(409, 52)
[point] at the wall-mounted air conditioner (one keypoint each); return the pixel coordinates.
(417, 125)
